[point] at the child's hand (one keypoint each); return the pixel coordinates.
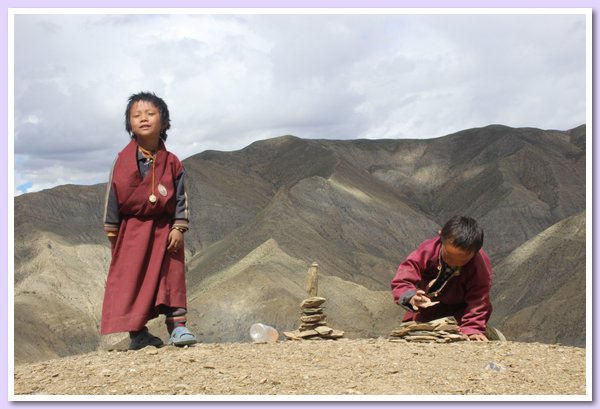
(113, 242)
(477, 337)
(419, 300)
(175, 241)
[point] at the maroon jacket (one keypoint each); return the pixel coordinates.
(466, 296)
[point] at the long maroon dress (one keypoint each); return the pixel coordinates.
(143, 275)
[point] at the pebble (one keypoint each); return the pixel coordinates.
(492, 366)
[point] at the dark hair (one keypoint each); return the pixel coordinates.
(464, 233)
(165, 120)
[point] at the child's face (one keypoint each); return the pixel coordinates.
(144, 118)
(455, 256)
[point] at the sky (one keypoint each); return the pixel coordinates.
(232, 79)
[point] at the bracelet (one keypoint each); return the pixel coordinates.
(181, 229)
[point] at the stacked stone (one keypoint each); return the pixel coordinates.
(442, 330)
(312, 322)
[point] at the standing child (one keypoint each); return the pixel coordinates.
(145, 217)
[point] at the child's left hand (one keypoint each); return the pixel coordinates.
(175, 241)
(477, 337)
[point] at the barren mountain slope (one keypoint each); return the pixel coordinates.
(57, 298)
(515, 181)
(539, 290)
(268, 285)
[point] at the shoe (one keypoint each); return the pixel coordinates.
(182, 336)
(494, 334)
(145, 339)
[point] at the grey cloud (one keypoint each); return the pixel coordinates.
(49, 27)
(233, 79)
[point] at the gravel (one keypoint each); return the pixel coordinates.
(323, 367)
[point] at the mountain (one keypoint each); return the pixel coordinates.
(263, 214)
(539, 289)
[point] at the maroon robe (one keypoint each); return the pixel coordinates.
(466, 296)
(143, 275)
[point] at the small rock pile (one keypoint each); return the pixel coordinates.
(312, 322)
(441, 330)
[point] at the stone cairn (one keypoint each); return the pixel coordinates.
(441, 330)
(312, 316)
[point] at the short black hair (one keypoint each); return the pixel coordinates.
(464, 233)
(165, 120)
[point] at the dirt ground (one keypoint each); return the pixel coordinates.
(342, 367)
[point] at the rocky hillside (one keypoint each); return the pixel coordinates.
(539, 290)
(263, 214)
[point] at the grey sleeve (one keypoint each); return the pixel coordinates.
(112, 219)
(182, 212)
(404, 301)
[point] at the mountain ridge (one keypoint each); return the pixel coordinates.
(357, 208)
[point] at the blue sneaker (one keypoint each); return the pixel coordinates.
(182, 336)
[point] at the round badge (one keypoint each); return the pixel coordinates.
(162, 190)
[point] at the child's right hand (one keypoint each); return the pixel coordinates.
(419, 300)
(113, 242)
(175, 241)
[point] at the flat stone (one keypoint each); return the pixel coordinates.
(312, 311)
(308, 334)
(444, 320)
(455, 336)
(447, 327)
(334, 334)
(426, 333)
(443, 340)
(323, 330)
(295, 335)
(312, 302)
(420, 338)
(312, 318)
(424, 341)
(400, 332)
(407, 324)
(423, 326)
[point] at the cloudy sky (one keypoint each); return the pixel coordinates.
(231, 79)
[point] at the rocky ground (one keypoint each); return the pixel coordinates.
(323, 367)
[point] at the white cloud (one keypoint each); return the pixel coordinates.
(232, 79)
